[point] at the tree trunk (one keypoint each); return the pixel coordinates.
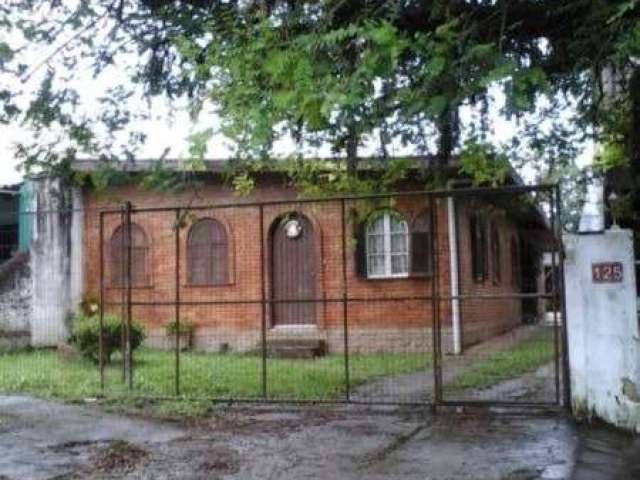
(448, 133)
(634, 155)
(352, 150)
(625, 181)
(634, 137)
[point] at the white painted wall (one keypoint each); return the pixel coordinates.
(602, 330)
(76, 234)
(56, 261)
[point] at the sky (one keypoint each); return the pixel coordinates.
(8, 164)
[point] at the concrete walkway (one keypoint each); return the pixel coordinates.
(418, 387)
(46, 440)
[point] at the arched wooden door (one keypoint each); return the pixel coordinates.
(293, 271)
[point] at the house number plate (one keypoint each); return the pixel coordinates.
(606, 272)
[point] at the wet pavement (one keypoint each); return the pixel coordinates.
(603, 453)
(47, 440)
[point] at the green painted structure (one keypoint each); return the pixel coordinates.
(25, 216)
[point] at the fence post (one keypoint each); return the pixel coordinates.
(554, 295)
(128, 361)
(563, 310)
(101, 316)
(345, 307)
(177, 299)
(437, 398)
(263, 294)
(122, 280)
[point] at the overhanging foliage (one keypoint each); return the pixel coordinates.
(337, 72)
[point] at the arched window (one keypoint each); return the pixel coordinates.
(207, 253)
(421, 245)
(496, 260)
(515, 262)
(387, 246)
(139, 252)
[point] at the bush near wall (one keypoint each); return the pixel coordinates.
(85, 335)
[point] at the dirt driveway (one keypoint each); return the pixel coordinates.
(47, 440)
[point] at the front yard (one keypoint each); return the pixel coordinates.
(239, 376)
(42, 373)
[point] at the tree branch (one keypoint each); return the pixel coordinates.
(63, 45)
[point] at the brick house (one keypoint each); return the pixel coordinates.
(293, 253)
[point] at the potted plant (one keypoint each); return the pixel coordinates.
(184, 332)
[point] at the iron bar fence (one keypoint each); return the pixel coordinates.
(328, 300)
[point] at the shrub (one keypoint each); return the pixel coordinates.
(85, 333)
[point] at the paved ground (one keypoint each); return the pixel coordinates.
(46, 440)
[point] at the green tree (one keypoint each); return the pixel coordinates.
(338, 72)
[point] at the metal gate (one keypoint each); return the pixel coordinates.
(427, 298)
(508, 365)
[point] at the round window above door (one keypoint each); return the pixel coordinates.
(293, 228)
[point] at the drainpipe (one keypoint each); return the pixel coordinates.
(453, 269)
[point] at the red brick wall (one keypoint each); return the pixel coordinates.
(484, 318)
(399, 316)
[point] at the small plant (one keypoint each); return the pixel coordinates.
(85, 335)
(90, 305)
(184, 328)
(183, 332)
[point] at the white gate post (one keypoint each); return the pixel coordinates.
(602, 327)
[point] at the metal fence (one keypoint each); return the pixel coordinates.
(427, 298)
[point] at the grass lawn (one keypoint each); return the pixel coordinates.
(42, 373)
(228, 376)
(526, 356)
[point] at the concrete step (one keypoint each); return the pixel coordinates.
(295, 347)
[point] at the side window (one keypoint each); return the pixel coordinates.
(515, 262)
(139, 256)
(478, 237)
(421, 241)
(387, 246)
(496, 260)
(207, 253)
